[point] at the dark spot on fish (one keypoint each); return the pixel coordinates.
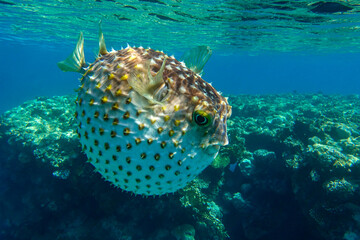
(113, 134)
(126, 115)
(126, 131)
(115, 121)
(118, 148)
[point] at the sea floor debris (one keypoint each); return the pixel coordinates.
(291, 171)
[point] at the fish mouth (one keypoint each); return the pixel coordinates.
(220, 136)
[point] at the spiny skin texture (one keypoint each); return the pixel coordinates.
(141, 134)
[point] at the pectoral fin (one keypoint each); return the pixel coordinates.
(149, 86)
(196, 58)
(75, 62)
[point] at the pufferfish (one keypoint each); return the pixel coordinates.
(147, 123)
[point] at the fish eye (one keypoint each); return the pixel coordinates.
(201, 118)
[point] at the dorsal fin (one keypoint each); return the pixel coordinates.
(102, 46)
(75, 62)
(151, 86)
(196, 58)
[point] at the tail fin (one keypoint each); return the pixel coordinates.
(75, 62)
(196, 58)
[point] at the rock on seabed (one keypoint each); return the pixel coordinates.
(295, 174)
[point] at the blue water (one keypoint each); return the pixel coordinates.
(30, 71)
(259, 48)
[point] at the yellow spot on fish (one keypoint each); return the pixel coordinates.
(171, 133)
(125, 77)
(195, 99)
(176, 143)
(166, 118)
(115, 106)
(138, 66)
(176, 108)
(126, 115)
(126, 131)
(111, 76)
(108, 88)
(91, 101)
(98, 85)
(141, 126)
(118, 92)
(104, 99)
(153, 121)
(177, 122)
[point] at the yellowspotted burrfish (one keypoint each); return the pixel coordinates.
(148, 123)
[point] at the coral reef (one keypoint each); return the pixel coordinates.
(291, 171)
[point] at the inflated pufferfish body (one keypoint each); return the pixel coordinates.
(147, 123)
